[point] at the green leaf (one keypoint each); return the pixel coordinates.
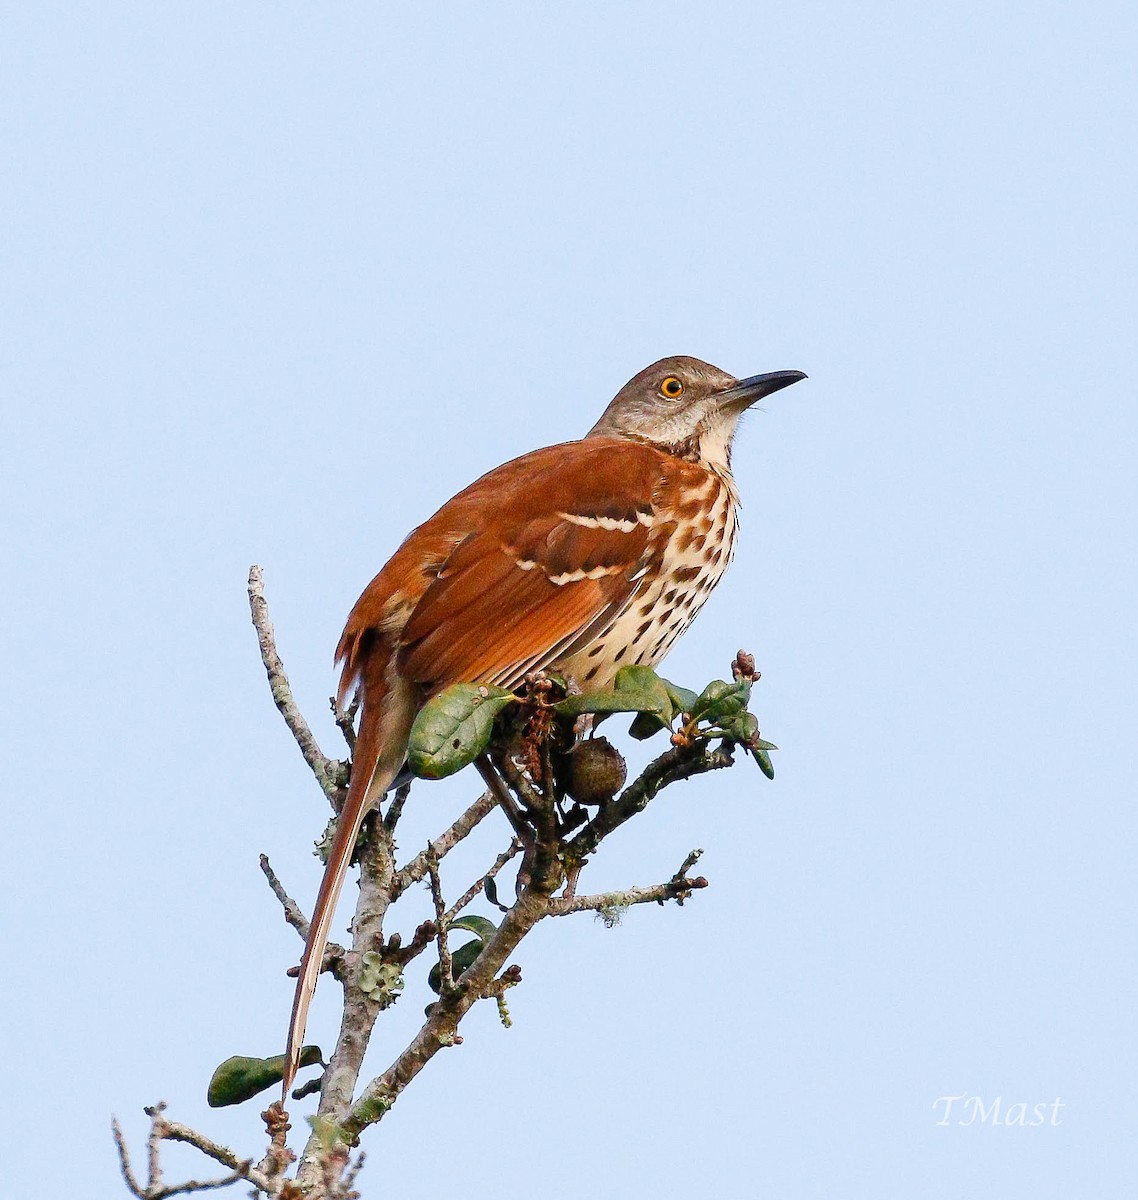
(609, 701)
(483, 927)
(646, 725)
(491, 890)
(744, 729)
(635, 689)
(646, 681)
(720, 701)
(741, 727)
(239, 1079)
(453, 728)
(682, 698)
(460, 959)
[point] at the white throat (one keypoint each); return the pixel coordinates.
(715, 447)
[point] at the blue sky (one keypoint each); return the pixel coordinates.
(281, 279)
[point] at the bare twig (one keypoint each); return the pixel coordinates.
(693, 857)
(179, 1189)
(495, 782)
(518, 779)
(446, 976)
(480, 884)
(174, 1131)
(529, 796)
(346, 721)
(352, 1173)
(153, 1142)
(416, 869)
(278, 1157)
(333, 953)
(395, 808)
(572, 874)
(197, 1185)
(162, 1130)
(496, 990)
(292, 912)
(395, 952)
(678, 888)
(124, 1160)
(326, 770)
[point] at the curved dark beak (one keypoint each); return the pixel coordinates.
(746, 392)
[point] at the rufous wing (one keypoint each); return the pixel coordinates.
(551, 555)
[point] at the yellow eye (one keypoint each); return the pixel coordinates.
(671, 387)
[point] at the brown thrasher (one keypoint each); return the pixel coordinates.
(582, 557)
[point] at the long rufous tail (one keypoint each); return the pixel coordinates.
(386, 714)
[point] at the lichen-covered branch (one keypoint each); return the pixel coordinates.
(678, 888)
(555, 837)
(441, 1028)
(361, 1010)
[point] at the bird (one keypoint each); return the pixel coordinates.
(582, 557)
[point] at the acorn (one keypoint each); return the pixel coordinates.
(597, 771)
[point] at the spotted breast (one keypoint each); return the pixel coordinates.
(692, 527)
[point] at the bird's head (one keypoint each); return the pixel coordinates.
(687, 407)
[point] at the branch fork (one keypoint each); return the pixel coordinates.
(555, 846)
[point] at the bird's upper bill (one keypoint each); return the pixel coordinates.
(745, 392)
